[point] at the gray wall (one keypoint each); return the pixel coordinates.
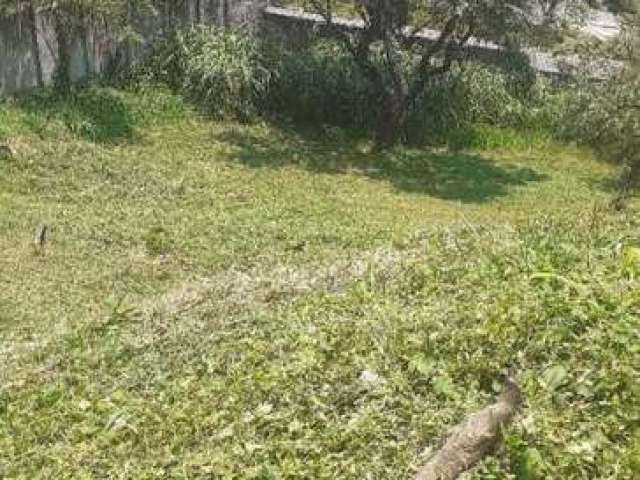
(93, 52)
(17, 66)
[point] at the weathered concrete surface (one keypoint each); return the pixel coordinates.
(95, 51)
(17, 68)
(602, 25)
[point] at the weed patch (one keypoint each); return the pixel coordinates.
(212, 296)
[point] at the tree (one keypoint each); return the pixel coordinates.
(399, 64)
(622, 115)
(606, 114)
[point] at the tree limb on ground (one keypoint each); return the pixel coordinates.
(474, 438)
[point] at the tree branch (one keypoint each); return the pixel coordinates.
(474, 438)
(425, 69)
(326, 13)
(360, 50)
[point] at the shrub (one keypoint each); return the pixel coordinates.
(221, 70)
(322, 85)
(231, 74)
(606, 116)
(472, 95)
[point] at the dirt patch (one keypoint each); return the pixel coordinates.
(259, 285)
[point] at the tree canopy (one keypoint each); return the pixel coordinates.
(399, 63)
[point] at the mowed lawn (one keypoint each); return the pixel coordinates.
(210, 294)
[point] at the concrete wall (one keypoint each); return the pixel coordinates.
(94, 51)
(17, 66)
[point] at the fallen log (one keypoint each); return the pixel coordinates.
(475, 437)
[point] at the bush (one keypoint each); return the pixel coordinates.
(606, 116)
(231, 74)
(472, 95)
(97, 112)
(223, 71)
(322, 85)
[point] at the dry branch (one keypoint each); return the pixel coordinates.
(474, 438)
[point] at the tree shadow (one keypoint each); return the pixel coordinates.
(463, 177)
(98, 115)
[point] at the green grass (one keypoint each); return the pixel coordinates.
(211, 292)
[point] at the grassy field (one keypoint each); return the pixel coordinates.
(211, 293)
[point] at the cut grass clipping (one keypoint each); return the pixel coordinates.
(225, 301)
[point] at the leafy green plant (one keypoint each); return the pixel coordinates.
(223, 71)
(606, 114)
(607, 117)
(321, 85)
(99, 113)
(453, 108)
(407, 65)
(634, 454)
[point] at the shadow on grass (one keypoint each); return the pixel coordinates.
(98, 115)
(450, 176)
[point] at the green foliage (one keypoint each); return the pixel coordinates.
(157, 241)
(321, 85)
(289, 267)
(222, 71)
(607, 116)
(531, 465)
(631, 260)
(98, 113)
(453, 106)
(634, 454)
(399, 68)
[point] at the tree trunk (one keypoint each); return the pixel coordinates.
(474, 438)
(392, 119)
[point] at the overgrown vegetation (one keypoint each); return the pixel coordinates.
(225, 72)
(399, 65)
(322, 86)
(606, 115)
(236, 285)
(211, 294)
